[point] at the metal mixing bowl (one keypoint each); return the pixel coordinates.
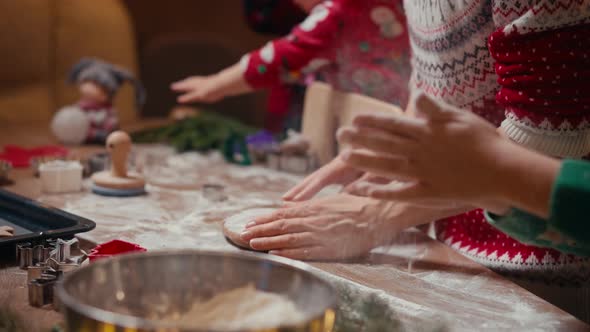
(118, 294)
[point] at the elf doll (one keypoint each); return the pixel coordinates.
(93, 118)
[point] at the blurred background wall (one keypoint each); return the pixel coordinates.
(161, 41)
(177, 38)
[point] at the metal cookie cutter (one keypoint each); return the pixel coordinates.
(46, 265)
(5, 168)
(28, 254)
(24, 255)
(41, 290)
(97, 163)
(42, 281)
(35, 272)
(64, 249)
(214, 192)
(60, 267)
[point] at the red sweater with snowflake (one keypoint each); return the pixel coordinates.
(355, 45)
(523, 66)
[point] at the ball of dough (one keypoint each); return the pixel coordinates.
(236, 224)
(70, 125)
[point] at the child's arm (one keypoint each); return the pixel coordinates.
(445, 154)
(278, 61)
(448, 156)
(566, 228)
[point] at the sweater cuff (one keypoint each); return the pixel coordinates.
(560, 142)
(519, 225)
(570, 199)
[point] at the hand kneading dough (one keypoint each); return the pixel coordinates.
(236, 224)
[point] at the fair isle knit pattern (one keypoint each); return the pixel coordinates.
(539, 15)
(542, 53)
(470, 235)
(452, 62)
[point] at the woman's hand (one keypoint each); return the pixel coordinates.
(335, 172)
(335, 227)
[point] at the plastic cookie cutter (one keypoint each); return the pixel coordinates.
(21, 157)
(261, 144)
(112, 248)
(36, 162)
(235, 150)
(61, 176)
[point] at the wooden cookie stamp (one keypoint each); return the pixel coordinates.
(117, 181)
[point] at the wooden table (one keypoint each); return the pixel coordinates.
(422, 280)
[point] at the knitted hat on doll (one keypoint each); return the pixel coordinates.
(108, 76)
(543, 88)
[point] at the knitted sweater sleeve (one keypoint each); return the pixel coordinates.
(542, 54)
(281, 60)
(566, 229)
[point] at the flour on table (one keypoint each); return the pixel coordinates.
(452, 296)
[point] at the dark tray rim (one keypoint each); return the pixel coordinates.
(23, 204)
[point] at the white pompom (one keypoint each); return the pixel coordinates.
(70, 125)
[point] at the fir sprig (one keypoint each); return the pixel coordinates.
(207, 131)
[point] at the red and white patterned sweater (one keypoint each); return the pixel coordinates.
(523, 65)
(355, 45)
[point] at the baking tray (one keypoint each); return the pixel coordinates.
(33, 221)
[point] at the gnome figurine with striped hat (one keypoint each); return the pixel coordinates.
(93, 118)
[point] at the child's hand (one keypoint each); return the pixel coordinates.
(206, 89)
(367, 178)
(443, 154)
(212, 88)
(335, 172)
